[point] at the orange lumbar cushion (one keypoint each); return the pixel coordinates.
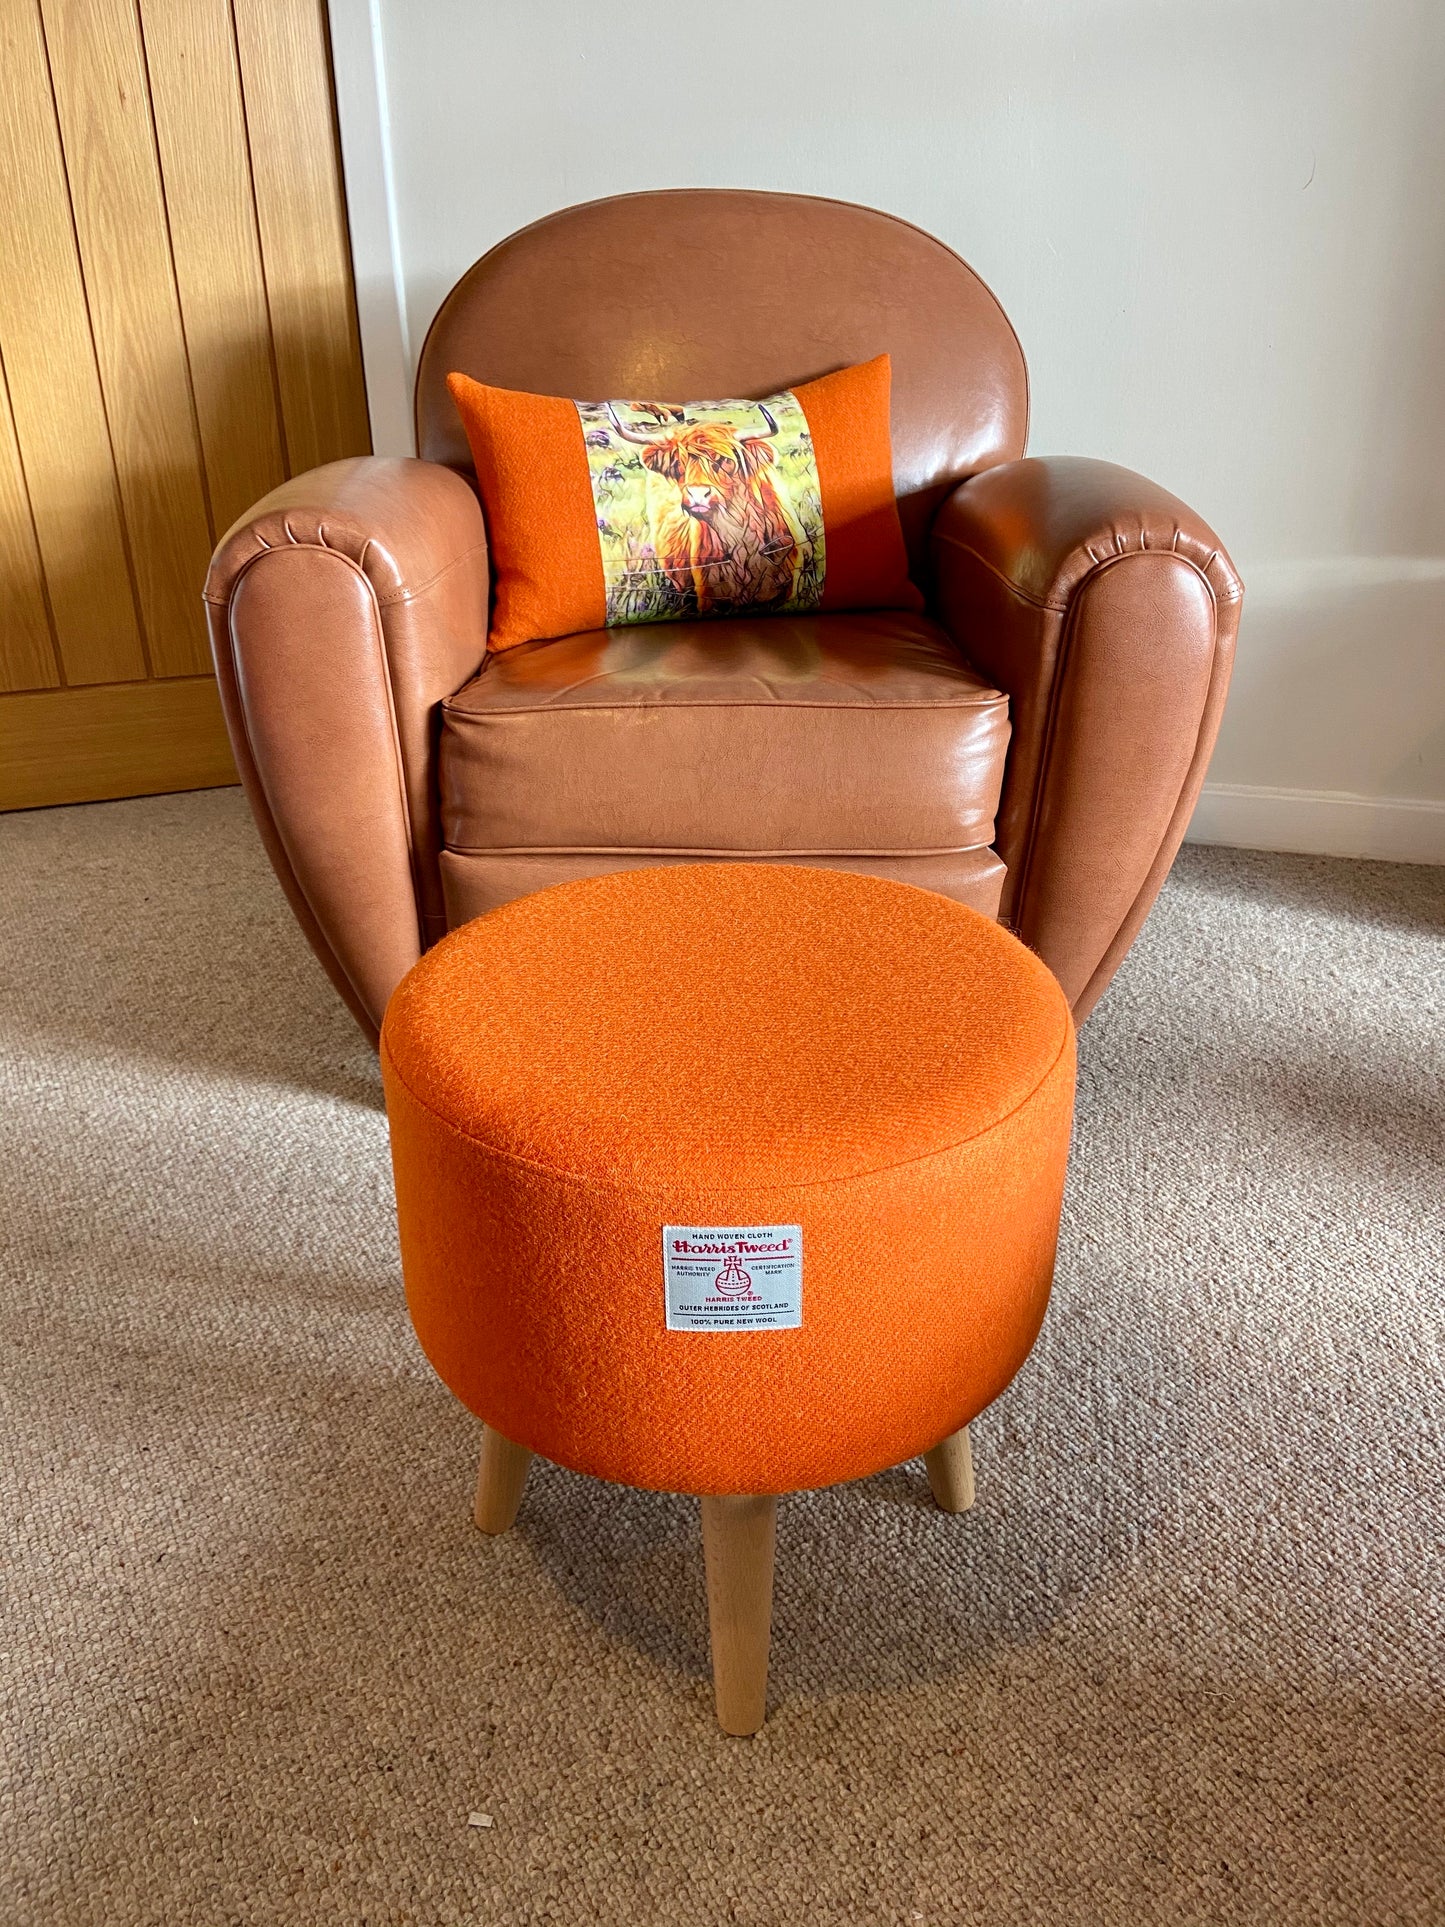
(603, 513)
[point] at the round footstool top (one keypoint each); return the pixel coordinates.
(728, 1177)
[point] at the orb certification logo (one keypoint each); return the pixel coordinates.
(732, 1281)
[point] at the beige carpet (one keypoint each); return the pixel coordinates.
(1185, 1662)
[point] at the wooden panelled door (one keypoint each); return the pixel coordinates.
(177, 335)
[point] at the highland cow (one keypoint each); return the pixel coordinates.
(729, 542)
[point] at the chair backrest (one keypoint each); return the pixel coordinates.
(706, 293)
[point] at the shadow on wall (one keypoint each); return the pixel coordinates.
(1340, 678)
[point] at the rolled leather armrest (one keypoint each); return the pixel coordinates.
(1107, 611)
(343, 609)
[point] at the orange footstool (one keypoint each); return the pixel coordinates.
(731, 1179)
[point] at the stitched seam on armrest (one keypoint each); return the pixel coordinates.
(1057, 604)
(406, 593)
(967, 548)
(1063, 663)
(409, 592)
(379, 638)
(1103, 963)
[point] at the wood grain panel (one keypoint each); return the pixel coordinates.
(166, 194)
(286, 81)
(129, 739)
(99, 75)
(55, 393)
(27, 660)
(205, 167)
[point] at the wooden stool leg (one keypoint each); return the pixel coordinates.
(500, 1480)
(737, 1541)
(950, 1472)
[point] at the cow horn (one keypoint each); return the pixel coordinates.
(629, 434)
(767, 417)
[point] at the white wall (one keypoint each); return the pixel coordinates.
(1216, 224)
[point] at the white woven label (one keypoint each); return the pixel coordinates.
(733, 1278)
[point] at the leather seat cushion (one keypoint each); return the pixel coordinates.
(844, 735)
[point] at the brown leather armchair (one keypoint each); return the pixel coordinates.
(1033, 746)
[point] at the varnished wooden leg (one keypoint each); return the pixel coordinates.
(950, 1472)
(737, 1542)
(499, 1482)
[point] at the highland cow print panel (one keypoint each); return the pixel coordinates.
(707, 510)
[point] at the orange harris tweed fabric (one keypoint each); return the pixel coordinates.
(543, 514)
(728, 1044)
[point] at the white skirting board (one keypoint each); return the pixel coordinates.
(1396, 829)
